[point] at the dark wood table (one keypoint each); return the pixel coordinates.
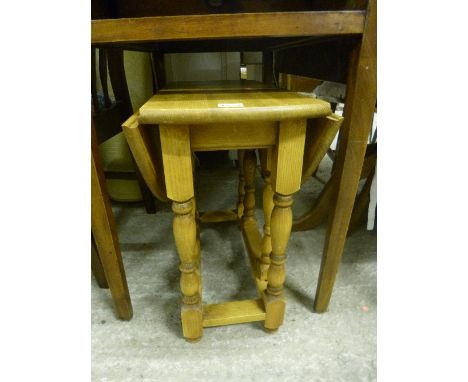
(327, 40)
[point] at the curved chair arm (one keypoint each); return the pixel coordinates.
(319, 136)
(145, 153)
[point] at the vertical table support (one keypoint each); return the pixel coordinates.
(105, 235)
(241, 191)
(266, 156)
(286, 179)
(249, 165)
(361, 95)
(177, 161)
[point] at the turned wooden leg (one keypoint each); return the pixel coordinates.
(267, 210)
(250, 164)
(177, 161)
(286, 176)
(240, 201)
(185, 234)
(285, 179)
(248, 222)
(196, 216)
(281, 222)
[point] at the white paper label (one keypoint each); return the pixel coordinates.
(240, 104)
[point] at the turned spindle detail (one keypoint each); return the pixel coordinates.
(185, 234)
(250, 164)
(267, 210)
(281, 222)
(241, 191)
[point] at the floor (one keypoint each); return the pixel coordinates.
(339, 345)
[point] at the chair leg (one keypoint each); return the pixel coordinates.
(361, 206)
(105, 234)
(96, 266)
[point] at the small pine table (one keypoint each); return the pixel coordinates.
(274, 121)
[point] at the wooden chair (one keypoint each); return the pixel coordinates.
(106, 260)
(108, 116)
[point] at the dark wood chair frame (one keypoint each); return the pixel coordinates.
(109, 117)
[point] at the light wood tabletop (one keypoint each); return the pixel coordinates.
(202, 107)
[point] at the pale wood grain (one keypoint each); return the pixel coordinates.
(218, 216)
(241, 135)
(241, 184)
(289, 153)
(281, 221)
(268, 206)
(185, 235)
(286, 179)
(192, 321)
(249, 224)
(202, 107)
(235, 312)
(253, 244)
(177, 160)
(144, 152)
(250, 165)
(320, 135)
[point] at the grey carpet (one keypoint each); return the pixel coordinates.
(339, 345)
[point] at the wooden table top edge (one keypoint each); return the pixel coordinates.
(227, 26)
(178, 108)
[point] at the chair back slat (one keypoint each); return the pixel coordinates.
(103, 76)
(94, 96)
(115, 63)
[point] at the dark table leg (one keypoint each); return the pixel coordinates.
(360, 103)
